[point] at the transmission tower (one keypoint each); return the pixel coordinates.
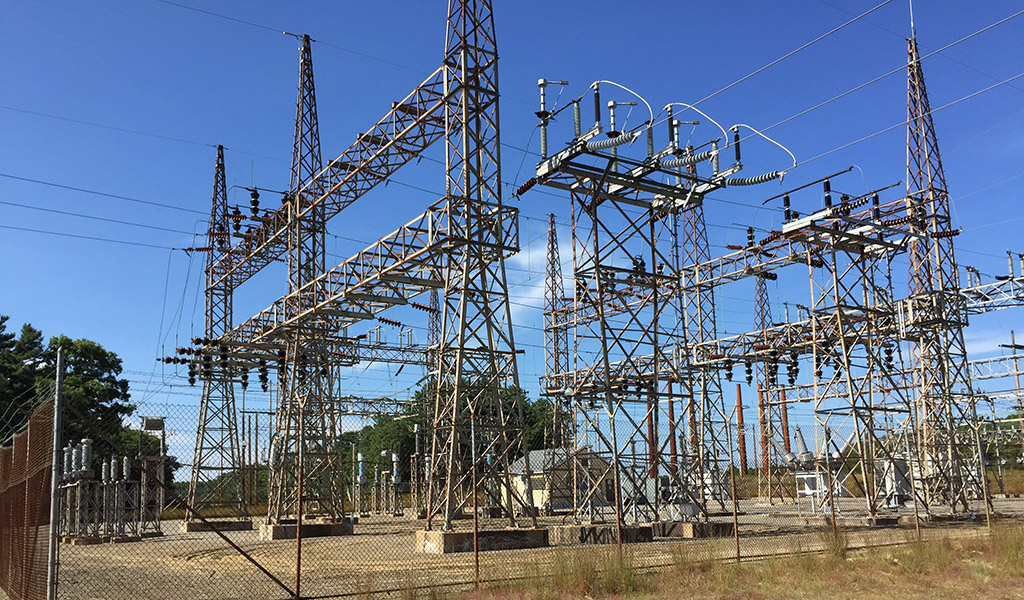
(478, 407)
(217, 453)
(457, 246)
(306, 453)
(935, 315)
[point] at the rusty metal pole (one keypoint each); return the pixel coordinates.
(741, 434)
(298, 498)
(476, 511)
(735, 512)
(762, 420)
(652, 441)
(672, 449)
(1016, 376)
(785, 420)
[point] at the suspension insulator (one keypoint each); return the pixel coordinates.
(595, 145)
(763, 178)
(529, 183)
(685, 161)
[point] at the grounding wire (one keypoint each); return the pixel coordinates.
(319, 41)
(904, 37)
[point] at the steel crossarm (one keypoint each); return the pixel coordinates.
(410, 127)
(994, 295)
(387, 273)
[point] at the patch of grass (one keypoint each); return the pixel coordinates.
(1013, 480)
(923, 558)
(579, 573)
(835, 541)
(941, 567)
(1008, 547)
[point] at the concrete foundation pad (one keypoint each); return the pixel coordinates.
(125, 539)
(151, 534)
(85, 541)
(565, 535)
(309, 530)
(447, 542)
(190, 526)
(678, 529)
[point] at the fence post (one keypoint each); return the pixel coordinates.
(55, 469)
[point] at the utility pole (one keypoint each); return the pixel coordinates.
(55, 470)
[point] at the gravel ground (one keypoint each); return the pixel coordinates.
(380, 556)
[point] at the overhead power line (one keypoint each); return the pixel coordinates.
(789, 54)
(88, 237)
(97, 193)
(277, 30)
(95, 218)
(898, 69)
(902, 123)
(130, 130)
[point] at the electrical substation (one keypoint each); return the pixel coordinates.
(643, 433)
(867, 412)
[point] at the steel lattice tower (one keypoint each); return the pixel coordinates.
(556, 343)
(773, 439)
(936, 314)
(217, 454)
(478, 408)
(710, 430)
(308, 460)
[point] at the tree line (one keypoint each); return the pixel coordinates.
(96, 397)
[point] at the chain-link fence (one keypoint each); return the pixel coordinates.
(25, 474)
(126, 527)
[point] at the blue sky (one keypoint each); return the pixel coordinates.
(130, 99)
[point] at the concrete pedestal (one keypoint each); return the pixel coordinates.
(565, 535)
(191, 526)
(447, 542)
(677, 529)
(288, 531)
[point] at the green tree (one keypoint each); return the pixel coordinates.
(20, 363)
(95, 397)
